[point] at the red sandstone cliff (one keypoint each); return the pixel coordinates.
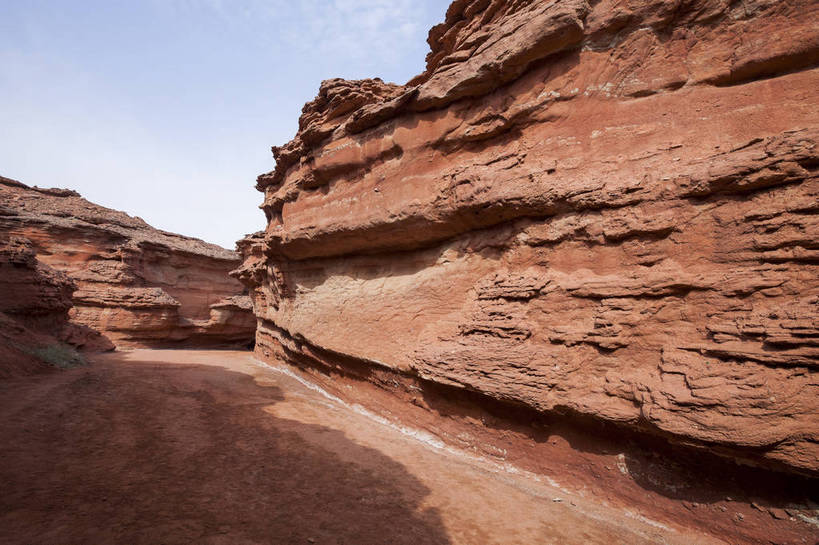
(592, 224)
(136, 285)
(34, 304)
(600, 209)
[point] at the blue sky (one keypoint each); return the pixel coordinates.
(167, 108)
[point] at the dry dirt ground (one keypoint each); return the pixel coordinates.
(171, 447)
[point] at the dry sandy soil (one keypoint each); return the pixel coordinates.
(211, 447)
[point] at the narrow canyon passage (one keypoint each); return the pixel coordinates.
(213, 447)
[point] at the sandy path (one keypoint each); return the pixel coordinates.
(149, 447)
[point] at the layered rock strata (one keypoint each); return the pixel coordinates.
(35, 301)
(599, 209)
(136, 285)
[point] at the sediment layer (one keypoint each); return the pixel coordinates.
(136, 285)
(35, 300)
(604, 209)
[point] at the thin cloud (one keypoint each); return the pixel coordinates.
(168, 109)
(374, 31)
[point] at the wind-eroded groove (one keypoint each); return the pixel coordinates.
(399, 383)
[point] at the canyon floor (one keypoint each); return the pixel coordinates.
(212, 447)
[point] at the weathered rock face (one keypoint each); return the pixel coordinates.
(34, 304)
(32, 292)
(603, 209)
(136, 285)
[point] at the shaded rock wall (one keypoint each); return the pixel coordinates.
(603, 209)
(136, 285)
(35, 300)
(33, 292)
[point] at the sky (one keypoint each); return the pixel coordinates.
(167, 109)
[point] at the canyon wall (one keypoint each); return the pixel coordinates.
(34, 303)
(602, 210)
(136, 285)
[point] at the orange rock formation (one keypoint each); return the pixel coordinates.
(136, 285)
(603, 210)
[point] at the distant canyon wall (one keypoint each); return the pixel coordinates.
(597, 209)
(135, 285)
(34, 303)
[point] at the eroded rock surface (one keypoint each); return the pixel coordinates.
(136, 285)
(35, 300)
(605, 209)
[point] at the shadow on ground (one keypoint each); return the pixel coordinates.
(148, 454)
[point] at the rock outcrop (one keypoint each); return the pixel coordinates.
(604, 210)
(136, 285)
(34, 304)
